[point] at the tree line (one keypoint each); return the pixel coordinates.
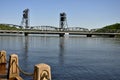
(114, 28)
(7, 27)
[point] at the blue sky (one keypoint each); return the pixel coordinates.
(80, 13)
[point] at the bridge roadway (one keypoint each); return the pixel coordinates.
(60, 33)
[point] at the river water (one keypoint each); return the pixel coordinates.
(70, 58)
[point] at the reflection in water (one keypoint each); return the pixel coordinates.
(26, 45)
(24, 61)
(25, 49)
(61, 50)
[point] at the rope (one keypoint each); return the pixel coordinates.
(25, 73)
(7, 61)
(43, 75)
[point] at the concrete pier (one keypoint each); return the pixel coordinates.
(89, 35)
(112, 36)
(26, 34)
(61, 34)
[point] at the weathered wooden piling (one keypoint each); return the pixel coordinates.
(3, 62)
(42, 72)
(3, 59)
(13, 70)
(3, 69)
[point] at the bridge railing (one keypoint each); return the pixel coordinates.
(41, 71)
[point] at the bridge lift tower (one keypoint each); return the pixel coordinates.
(25, 19)
(63, 22)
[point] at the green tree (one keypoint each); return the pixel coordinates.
(114, 28)
(7, 27)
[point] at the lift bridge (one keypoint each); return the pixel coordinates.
(61, 29)
(49, 28)
(63, 26)
(55, 30)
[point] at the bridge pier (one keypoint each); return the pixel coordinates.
(61, 34)
(111, 36)
(26, 34)
(89, 35)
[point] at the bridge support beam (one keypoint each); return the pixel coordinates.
(61, 34)
(89, 35)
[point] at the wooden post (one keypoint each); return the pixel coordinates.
(13, 71)
(3, 57)
(42, 72)
(3, 62)
(3, 69)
